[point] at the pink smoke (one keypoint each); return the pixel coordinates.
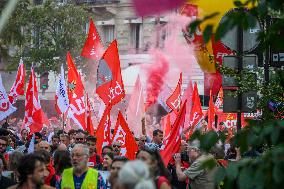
(155, 76)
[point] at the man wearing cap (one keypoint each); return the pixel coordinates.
(199, 177)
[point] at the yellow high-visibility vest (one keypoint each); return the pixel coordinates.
(90, 180)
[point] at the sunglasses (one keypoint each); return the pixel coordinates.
(116, 146)
(79, 139)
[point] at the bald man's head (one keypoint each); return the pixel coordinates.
(44, 145)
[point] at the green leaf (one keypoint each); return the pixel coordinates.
(207, 33)
(278, 174)
(208, 140)
(194, 25)
(232, 170)
(211, 16)
(245, 181)
(238, 4)
(220, 175)
(275, 135)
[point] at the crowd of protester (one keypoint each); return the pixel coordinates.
(70, 160)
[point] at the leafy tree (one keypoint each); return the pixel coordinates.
(48, 31)
(267, 133)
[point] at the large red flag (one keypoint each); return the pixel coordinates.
(34, 116)
(19, 84)
(187, 95)
(196, 109)
(123, 135)
(135, 109)
(174, 101)
(110, 85)
(211, 114)
(90, 126)
(103, 131)
(172, 145)
(75, 94)
(93, 48)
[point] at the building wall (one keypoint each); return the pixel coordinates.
(120, 14)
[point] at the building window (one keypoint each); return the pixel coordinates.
(108, 33)
(135, 35)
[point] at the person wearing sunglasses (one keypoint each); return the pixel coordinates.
(142, 142)
(116, 146)
(80, 138)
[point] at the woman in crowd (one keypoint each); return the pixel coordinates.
(134, 175)
(62, 160)
(107, 161)
(159, 173)
(14, 162)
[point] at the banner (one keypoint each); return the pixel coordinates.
(18, 87)
(77, 108)
(93, 48)
(6, 107)
(61, 96)
(172, 144)
(174, 101)
(110, 86)
(135, 109)
(123, 135)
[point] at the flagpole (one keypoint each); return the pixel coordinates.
(63, 121)
(125, 109)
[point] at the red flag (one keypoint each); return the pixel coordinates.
(34, 116)
(90, 126)
(167, 125)
(110, 85)
(219, 101)
(174, 101)
(211, 114)
(93, 47)
(75, 94)
(196, 109)
(123, 135)
(103, 131)
(187, 95)
(6, 108)
(19, 84)
(135, 109)
(173, 143)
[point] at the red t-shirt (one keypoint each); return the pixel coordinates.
(94, 161)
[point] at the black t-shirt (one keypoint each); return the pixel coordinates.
(6, 182)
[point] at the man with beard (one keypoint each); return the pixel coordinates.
(31, 173)
(80, 176)
(3, 146)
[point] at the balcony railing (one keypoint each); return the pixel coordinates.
(97, 1)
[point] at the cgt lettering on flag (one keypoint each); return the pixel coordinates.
(120, 137)
(115, 92)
